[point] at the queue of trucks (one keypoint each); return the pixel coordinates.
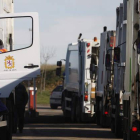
(102, 78)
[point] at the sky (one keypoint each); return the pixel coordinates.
(61, 21)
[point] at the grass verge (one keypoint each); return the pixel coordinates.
(44, 97)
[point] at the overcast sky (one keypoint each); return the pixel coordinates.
(61, 21)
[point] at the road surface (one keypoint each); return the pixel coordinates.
(50, 125)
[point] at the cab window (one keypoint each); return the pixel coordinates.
(16, 33)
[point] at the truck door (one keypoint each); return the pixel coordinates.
(21, 61)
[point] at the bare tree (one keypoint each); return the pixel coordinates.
(46, 54)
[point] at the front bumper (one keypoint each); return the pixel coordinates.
(55, 101)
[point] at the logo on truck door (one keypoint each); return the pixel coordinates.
(9, 62)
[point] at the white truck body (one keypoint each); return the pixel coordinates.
(21, 61)
(10, 77)
(77, 74)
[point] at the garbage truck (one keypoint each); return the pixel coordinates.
(131, 94)
(105, 77)
(78, 96)
(19, 33)
(119, 71)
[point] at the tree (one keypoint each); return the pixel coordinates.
(46, 54)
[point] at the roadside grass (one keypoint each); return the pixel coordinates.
(51, 82)
(44, 97)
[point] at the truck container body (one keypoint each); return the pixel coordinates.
(78, 98)
(105, 77)
(119, 71)
(131, 96)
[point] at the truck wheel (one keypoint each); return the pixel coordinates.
(124, 136)
(98, 117)
(101, 115)
(78, 113)
(53, 106)
(98, 114)
(63, 108)
(73, 111)
(112, 126)
(3, 131)
(118, 131)
(9, 127)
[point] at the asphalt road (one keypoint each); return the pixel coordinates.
(50, 125)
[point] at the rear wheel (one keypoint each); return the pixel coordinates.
(65, 113)
(101, 115)
(118, 131)
(98, 112)
(113, 126)
(73, 110)
(78, 112)
(53, 106)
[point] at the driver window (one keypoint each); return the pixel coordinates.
(16, 33)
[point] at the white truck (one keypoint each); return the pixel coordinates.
(105, 77)
(20, 35)
(78, 97)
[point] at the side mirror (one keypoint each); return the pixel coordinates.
(107, 61)
(117, 55)
(59, 63)
(58, 71)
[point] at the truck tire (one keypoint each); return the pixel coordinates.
(73, 110)
(3, 131)
(9, 127)
(101, 115)
(118, 131)
(65, 115)
(98, 113)
(53, 106)
(124, 136)
(78, 112)
(113, 126)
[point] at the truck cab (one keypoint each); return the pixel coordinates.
(19, 33)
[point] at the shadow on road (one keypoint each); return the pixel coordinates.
(54, 125)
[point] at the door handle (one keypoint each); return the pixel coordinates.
(30, 66)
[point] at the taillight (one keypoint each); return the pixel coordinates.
(106, 113)
(134, 129)
(86, 98)
(88, 44)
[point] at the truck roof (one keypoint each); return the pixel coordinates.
(74, 46)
